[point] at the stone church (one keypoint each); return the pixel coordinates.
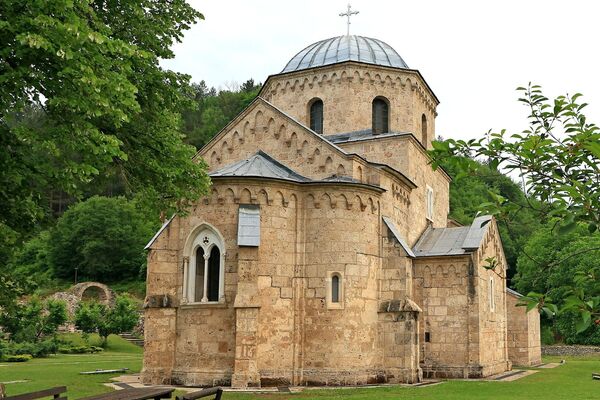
(323, 254)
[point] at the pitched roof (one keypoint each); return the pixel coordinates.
(513, 292)
(392, 227)
(452, 241)
(260, 165)
(363, 134)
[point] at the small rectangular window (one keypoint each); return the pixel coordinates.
(249, 225)
(429, 203)
(427, 337)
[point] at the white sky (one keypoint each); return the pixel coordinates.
(473, 54)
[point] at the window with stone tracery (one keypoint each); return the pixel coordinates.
(204, 271)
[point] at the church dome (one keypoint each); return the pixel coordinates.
(345, 48)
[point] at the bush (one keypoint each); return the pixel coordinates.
(18, 358)
(72, 349)
(37, 350)
(547, 336)
(566, 326)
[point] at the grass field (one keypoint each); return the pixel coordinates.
(64, 369)
(571, 381)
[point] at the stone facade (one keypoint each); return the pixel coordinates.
(333, 293)
(524, 344)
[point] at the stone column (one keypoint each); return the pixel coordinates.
(186, 266)
(205, 287)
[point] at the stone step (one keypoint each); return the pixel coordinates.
(131, 338)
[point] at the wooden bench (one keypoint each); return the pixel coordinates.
(217, 391)
(134, 394)
(55, 392)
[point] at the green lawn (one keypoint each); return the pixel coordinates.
(571, 381)
(63, 369)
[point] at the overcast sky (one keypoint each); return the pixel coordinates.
(473, 54)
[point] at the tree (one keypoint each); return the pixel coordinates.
(93, 317)
(212, 110)
(544, 248)
(83, 96)
(103, 238)
(34, 320)
(467, 193)
(558, 159)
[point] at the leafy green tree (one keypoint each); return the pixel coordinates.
(93, 317)
(30, 263)
(83, 96)
(538, 272)
(34, 320)
(103, 238)
(212, 110)
(468, 193)
(558, 159)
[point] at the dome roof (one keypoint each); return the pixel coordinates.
(345, 48)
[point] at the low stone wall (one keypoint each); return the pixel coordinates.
(573, 350)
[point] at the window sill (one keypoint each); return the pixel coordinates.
(210, 304)
(334, 306)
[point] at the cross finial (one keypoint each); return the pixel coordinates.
(348, 14)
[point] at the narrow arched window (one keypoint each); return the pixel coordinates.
(316, 116)
(380, 116)
(424, 130)
(335, 289)
(214, 266)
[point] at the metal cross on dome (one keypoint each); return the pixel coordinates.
(348, 14)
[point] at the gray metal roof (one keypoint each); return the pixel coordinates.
(452, 241)
(345, 48)
(513, 292)
(392, 227)
(260, 165)
(364, 134)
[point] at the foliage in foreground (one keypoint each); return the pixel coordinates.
(467, 193)
(83, 97)
(558, 283)
(558, 158)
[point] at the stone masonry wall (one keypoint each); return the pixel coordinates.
(444, 290)
(347, 92)
(493, 353)
(524, 346)
(407, 156)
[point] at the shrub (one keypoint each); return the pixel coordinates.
(18, 358)
(72, 349)
(37, 350)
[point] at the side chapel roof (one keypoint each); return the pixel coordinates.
(452, 241)
(262, 165)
